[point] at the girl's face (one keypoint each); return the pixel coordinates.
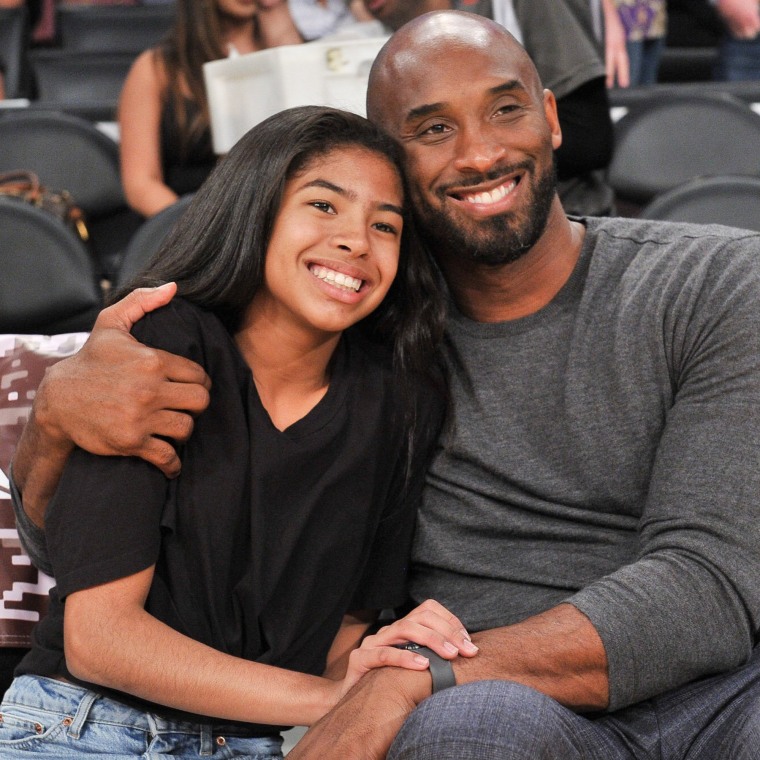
(334, 248)
(240, 10)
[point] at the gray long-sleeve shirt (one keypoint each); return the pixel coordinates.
(605, 451)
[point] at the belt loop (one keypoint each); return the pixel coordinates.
(207, 740)
(75, 729)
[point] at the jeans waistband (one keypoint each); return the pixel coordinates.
(76, 704)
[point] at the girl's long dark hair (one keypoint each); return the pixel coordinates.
(216, 253)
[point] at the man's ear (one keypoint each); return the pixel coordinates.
(550, 111)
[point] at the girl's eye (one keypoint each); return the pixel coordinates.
(385, 227)
(323, 206)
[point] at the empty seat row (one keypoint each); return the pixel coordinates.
(666, 140)
(96, 44)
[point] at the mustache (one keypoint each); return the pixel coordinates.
(498, 172)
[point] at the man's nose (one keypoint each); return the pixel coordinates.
(478, 150)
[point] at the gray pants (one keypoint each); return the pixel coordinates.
(716, 718)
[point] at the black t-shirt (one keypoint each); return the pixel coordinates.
(266, 538)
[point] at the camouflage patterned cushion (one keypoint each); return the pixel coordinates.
(23, 359)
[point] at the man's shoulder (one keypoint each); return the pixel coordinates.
(607, 232)
(670, 256)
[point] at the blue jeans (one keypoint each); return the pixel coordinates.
(49, 718)
(738, 60)
(644, 58)
(716, 718)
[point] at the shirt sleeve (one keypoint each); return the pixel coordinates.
(560, 39)
(689, 606)
(32, 537)
(104, 521)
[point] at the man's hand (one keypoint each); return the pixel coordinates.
(114, 397)
(742, 17)
(363, 725)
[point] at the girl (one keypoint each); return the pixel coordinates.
(165, 137)
(211, 610)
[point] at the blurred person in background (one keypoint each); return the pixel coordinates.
(739, 49)
(166, 148)
(643, 26)
(322, 18)
(6, 4)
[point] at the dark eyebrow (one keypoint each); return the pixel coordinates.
(429, 108)
(351, 195)
(509, 86)
(330, 186)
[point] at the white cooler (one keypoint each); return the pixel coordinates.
(244, 90)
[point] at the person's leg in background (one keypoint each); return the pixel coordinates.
(635, 50)
(738, 60)
(650, 60)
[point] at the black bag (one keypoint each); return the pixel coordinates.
(26, 186)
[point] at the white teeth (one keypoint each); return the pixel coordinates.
(335, 278)
(492, 196)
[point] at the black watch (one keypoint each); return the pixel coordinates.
(441, 670)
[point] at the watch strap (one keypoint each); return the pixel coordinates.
(441, 670)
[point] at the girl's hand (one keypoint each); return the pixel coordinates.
(430, 625)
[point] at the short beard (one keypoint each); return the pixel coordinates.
(501, 239)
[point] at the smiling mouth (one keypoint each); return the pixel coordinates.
(488, 197)
(340, 280)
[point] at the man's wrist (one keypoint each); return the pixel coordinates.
(441, 670)
(42, 417)
(412, 685)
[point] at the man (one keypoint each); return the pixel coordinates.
(560, 38)
(592, 510)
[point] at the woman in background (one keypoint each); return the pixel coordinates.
(321, 18)
(165, 134)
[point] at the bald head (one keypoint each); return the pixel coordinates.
(421, 48)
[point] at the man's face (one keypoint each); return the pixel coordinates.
(479, 136)
(395, 13)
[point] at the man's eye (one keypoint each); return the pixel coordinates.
(435, 129)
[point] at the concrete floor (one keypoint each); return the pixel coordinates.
(291, 737)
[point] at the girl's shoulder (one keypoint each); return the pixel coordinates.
(182, 328)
